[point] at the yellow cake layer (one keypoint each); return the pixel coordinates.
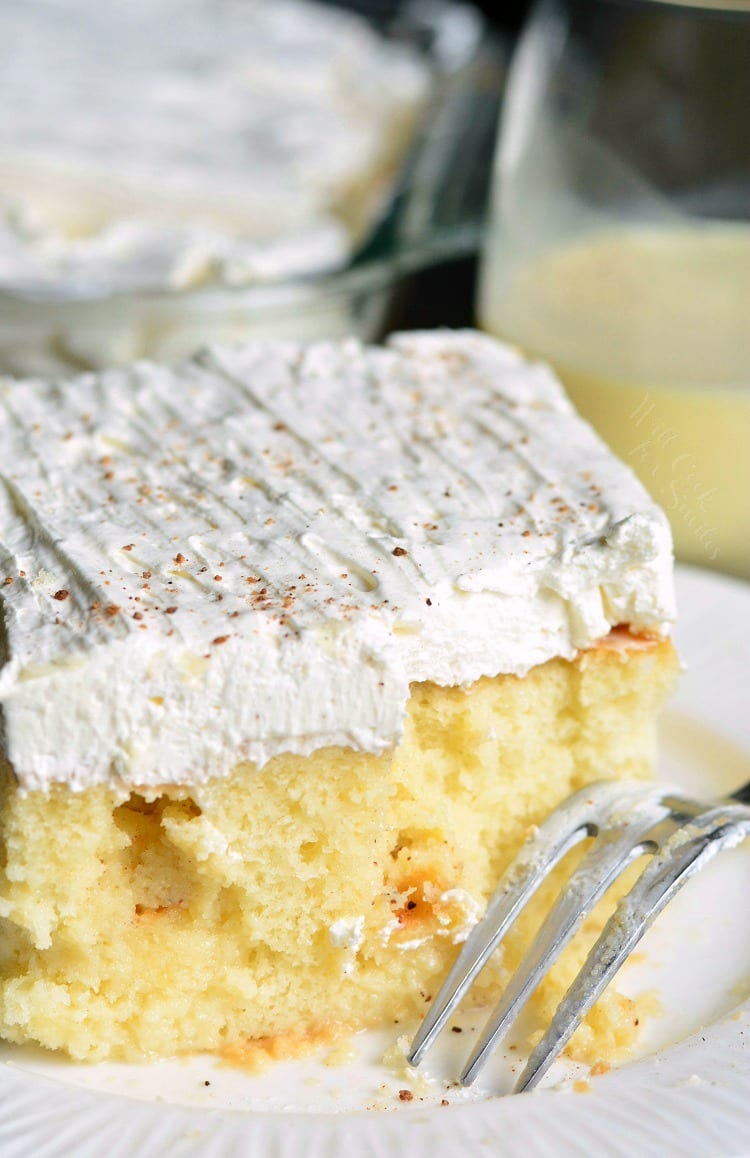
(325, 889)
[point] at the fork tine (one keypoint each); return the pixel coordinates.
(612, 852)
(689, 848)
(566, 827)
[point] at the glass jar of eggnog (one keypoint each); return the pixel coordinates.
(619, 243)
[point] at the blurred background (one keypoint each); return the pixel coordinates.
(508, 15)
(446, 296)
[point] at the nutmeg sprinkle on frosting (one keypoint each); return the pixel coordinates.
(298, 480)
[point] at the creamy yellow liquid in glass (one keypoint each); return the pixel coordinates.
(649, 330)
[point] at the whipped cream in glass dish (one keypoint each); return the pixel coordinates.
(168, 145)
(174, 172)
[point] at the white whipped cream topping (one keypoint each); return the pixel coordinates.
(457, 913)
(259, 550)
(469, 910)
(161, 144)
(348, 933)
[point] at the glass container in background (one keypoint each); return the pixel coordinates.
(619, 246)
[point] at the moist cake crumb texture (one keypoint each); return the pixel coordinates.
(144, 924)
(298, 643)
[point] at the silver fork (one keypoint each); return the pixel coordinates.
(628, 819)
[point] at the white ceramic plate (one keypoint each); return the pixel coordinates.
(688, 1093)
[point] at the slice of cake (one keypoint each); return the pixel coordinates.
(297, 644)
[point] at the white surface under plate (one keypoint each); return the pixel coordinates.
(686, 1094)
